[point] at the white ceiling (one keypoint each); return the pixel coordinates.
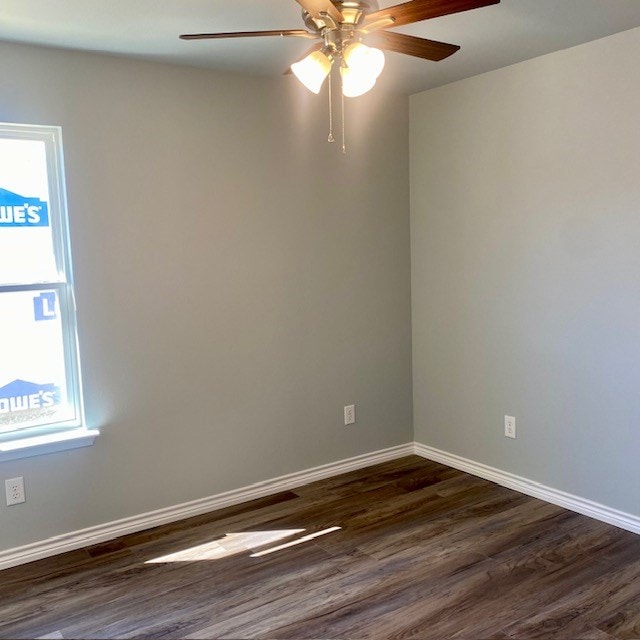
(492, 37)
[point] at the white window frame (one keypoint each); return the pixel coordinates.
(71, 433)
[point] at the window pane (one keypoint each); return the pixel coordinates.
(26, 241)
(33, 388)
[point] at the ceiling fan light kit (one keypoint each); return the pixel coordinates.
(360, 67)
(347, 29)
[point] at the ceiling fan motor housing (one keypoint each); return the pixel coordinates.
(352, 10)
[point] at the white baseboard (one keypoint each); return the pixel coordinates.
(589, 508)
(111, 530)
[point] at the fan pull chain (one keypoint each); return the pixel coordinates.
(330, 138)
(344, 143)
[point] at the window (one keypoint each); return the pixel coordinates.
(40, 389)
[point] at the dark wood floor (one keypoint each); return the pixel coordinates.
(423, 551)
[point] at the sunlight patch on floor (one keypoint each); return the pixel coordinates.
(230, 545)
(293, 543)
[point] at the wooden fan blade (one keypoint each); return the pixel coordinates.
(317, 7)
(417, 10)
(376, 25)
(412, 46)
(310, 50)
(295, 33)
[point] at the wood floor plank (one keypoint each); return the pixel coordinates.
(368, 478)
(353, 599)
(608, 604)
(408, 549)
(510, 525)
(450, 505)
(218, 594)
(622, 622)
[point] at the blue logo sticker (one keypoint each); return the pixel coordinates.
(21, 395)
(20, 211)
(44, 306)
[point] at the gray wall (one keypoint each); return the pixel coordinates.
(525, 227)
(238, 281)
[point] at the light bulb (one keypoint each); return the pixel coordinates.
(312, 70)
(363, 66)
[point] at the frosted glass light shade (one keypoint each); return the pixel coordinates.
(364, 59)
(312, 70)
(355, 84)
(363, 66)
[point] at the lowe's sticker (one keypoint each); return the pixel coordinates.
(44, 306)
(21, 395)
(22, 211)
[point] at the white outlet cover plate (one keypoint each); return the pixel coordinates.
(14, 488)
(510, 427)
(350, 414)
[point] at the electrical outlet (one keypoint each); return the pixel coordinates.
(350, 414)
(15, 491)
(510, 427)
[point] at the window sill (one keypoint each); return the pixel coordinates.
(51, 443)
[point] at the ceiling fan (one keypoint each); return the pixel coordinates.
(352, 34)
